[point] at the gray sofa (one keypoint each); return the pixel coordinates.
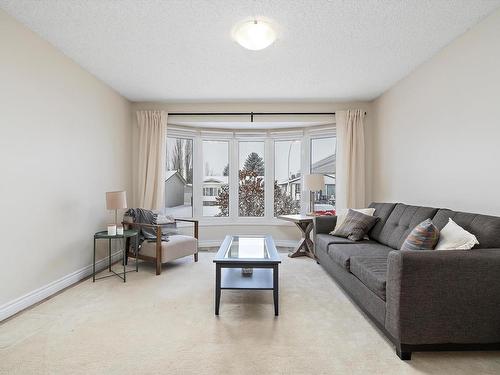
(422, 300)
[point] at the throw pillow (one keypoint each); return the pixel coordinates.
(454, 237)
(355, 225)
(423, 237)
(343, 213)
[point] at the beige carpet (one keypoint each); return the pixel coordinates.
(166, 325)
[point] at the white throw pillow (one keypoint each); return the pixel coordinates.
(454, 237)
(343, 213)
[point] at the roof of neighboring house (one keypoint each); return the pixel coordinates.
(170, 174)
(329, 180)
(325, 165)
(295, 180)
(216, 179)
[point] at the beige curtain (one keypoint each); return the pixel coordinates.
(152, 157)
(350, 174)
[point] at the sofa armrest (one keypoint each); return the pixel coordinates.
(324, 224)
(450, 296)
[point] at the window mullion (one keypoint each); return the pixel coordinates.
(233, 179)
(269, 179)
(197, 178)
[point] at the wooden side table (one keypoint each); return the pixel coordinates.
(103, 235)
(305, 246)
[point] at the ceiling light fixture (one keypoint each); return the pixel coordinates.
(254, 35)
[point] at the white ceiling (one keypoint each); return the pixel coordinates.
(177, 50)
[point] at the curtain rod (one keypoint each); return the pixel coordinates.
(252, 114)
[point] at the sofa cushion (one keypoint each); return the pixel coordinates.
(355, 226)
(423, 237)
(177, 246)
(401, 222)
(371, 271)
(382, 211)
(323, 240)
(341, 253)
(485, 228)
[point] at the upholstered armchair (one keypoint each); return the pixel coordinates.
(160, 252)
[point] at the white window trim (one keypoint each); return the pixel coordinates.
(233, 137)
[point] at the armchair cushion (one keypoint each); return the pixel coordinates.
(177, 246)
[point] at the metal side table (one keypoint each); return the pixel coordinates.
(129, 233)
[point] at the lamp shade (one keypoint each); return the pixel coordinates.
(314, 182)
(116, 200)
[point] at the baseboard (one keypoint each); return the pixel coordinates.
(23, 302)
(217, 243)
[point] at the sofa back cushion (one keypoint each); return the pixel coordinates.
(382, 211)
(401, 222)
(485, 228)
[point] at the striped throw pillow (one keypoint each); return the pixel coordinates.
(423, 237)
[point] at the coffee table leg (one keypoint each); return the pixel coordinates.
(217, 288)
(275, 290)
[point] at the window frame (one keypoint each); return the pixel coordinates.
(198, 135)
(313, 138)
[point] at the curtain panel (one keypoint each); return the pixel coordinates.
(350, 174)
(152, 158)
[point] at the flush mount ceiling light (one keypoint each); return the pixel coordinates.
(254, 35)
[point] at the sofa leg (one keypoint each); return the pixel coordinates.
(195, 257)
(404, 356)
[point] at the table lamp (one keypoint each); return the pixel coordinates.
(116, 200)
(313, 183)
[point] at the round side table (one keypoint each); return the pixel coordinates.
(129, 233)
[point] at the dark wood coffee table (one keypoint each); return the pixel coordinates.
(238, 252)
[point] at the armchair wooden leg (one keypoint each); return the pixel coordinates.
(195, 257)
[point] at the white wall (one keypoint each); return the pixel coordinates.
(285, 233)
(65, 140)
(437, 132)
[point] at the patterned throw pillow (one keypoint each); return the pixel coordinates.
(423, 237)
(355, 226)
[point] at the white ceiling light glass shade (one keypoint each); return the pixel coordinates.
(254, 35)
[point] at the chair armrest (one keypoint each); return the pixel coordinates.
(324, 224)
(449, 296)
(144, 225)
(196, 225)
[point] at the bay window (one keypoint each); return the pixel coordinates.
(246, 177)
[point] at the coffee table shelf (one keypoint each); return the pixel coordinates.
(261, 279)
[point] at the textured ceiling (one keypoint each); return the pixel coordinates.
(174, 50)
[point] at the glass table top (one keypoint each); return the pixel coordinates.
(247, 248)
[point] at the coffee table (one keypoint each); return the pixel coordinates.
(250, 252)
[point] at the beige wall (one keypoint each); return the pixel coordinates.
(281, 233)
(437, 132)
(65, 140)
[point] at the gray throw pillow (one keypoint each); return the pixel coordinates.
(423, 237)
(355, 226)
